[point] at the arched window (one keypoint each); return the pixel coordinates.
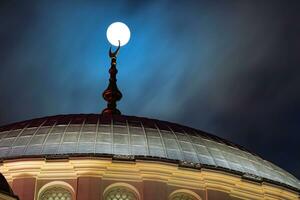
(56, 193)
(56, 190)
(184, 195)
(121, 191)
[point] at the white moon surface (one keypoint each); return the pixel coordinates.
(118, 31)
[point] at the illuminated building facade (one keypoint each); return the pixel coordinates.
(91, 156)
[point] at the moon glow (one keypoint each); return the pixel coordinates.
(116, 32)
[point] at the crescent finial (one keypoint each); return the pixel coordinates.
(115, 53)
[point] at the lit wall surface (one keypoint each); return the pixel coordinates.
(85, 178)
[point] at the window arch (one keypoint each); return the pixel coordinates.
(56, 190)
(121, 191)
(184, 195)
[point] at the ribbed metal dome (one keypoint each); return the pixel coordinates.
(136, 136)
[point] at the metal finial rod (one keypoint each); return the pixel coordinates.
(115, 53)
(112, 94)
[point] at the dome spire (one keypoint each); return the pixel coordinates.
(112, 94)
(118, 34)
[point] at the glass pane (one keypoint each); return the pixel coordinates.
(182, 196)
(171, 144)
(120, 129)
(104, 129)
(167, 134)
(139, 150)
(138, 140)
(71, 137)
(13, 133)
(50, 149)
(56, 193)
(155, 142)
(4, 151)
(16, 151)
(38, 139)
(58, 129)
(68, 148)
(103, 148)
(136, 131)
(121, 149)
(89, 128)
(152, 132)
(43, 130)
(206, 160)
(34, 150)
(53, 138)
(86, 148)
(30, 131)
(186, 146)
(3, 134)
(191, 157)
(182, 137)
(88, 137)
(120, 139)
(120, 193)
(104, 138)
(6, 142)
(73, 128)
(173, 154)
(157, 152)
(21, 141)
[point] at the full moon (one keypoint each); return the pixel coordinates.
(116, 32)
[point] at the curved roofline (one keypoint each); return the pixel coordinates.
(241, 161)
(11, 126)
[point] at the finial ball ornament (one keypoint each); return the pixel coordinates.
(116, 32)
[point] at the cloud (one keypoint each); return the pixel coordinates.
(230, 69)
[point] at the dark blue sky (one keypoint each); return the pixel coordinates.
(226, 67)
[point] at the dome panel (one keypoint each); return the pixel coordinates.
(128, 135)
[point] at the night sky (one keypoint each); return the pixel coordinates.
(230, 68)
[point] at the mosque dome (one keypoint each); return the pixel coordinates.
(111, 156)
(135, 138)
